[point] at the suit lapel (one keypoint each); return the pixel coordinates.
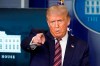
(71, 43)
(51, 48)
(51, 43)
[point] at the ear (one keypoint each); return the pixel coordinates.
(48, 23)
(69, 19)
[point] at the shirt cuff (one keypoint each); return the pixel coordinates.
(33, 45)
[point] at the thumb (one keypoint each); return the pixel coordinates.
(42, 38)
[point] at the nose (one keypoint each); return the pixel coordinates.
(56, 25)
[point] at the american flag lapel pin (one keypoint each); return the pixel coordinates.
(72, 46)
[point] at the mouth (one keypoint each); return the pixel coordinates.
(57, 31)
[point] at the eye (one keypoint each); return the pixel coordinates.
(52, 21)
(60, 20)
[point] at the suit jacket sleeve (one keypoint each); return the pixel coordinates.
(25, 44)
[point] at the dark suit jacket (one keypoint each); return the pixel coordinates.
(76, 54)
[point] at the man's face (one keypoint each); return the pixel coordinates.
(58, 25)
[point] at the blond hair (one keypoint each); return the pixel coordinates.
(57, 9)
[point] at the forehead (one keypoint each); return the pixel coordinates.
(56, 16)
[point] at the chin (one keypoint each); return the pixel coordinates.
(58, 36)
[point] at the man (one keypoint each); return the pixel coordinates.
(56, 47)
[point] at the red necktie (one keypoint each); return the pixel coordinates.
(58, 54)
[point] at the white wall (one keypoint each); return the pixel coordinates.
(14, 3)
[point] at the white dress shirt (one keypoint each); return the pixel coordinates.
(63, 44)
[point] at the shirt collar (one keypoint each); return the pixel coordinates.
(65, 37)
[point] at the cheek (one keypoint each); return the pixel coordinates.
(51, 28)
(63, 25)
(64, 28)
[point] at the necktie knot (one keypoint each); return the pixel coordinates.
(58, 40)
